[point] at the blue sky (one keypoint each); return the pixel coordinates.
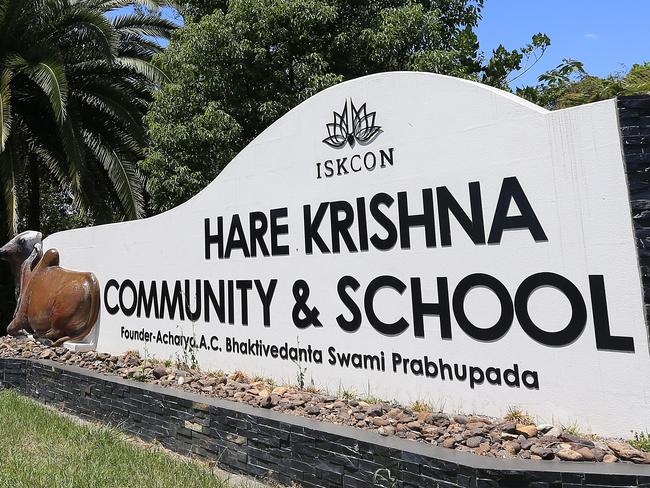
(606, 35)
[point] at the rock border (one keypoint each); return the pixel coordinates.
(516, 437)
(287, 448)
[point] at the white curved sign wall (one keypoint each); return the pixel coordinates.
(408, 235)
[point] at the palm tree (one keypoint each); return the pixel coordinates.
(74, 86)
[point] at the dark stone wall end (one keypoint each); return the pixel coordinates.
(634, 123)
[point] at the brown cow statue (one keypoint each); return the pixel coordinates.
(53, 303)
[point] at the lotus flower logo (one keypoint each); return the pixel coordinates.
(362, 128)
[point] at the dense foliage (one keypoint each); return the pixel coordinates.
(237, 69)
(569, 85)
(74, 86)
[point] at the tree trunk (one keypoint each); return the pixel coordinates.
(34, 206)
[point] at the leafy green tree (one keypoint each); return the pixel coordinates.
(193, 10)
(568, 85)
(74, 86)
(239, 65)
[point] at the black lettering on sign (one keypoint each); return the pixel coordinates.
(148, 300)
(192, 315)
(425, 219)
(499, 329)
(236, 239)
(258, 227)
(278, 229)
(342, 218)
(578, 318)
(435, 309)
(128, 285)
(604, 338)
(354, 323)
(473, 226)
(511, 191)
(311, 228)
(388, 242)
(248, 240)
(374, 286)
(112, 309)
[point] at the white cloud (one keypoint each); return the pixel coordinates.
(590, 35)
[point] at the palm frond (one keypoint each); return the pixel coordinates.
(151, 72)
(72, 144)
(4, 7)
(44, 147)
(123, 173)
(144, 25)
(134, 49)
(134, 46)
(13, 16)
(86, 28)
(9, 169)
(49, 75)
(5, 107)
(55, 163)
(107, 5)
(115, 109)
(109, 81)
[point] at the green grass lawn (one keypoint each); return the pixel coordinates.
(40, 448)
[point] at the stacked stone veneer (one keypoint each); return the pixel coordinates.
(287, 448)
(634, 121)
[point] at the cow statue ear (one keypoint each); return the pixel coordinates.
(36, 255)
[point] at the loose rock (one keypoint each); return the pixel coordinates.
(629, 453)
(609, 458)
(474, 441)
(569, 455)
(586, 454)
(312, 409)
(159, 371)
(542, 452)
(477, 434)
(449, 443)
(526, 430)
(512, 447)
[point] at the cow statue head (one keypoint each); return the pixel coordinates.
(18, 249)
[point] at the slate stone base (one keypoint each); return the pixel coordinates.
(634, 123)
(286, 448)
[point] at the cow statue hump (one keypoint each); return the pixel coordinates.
(53, 303)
